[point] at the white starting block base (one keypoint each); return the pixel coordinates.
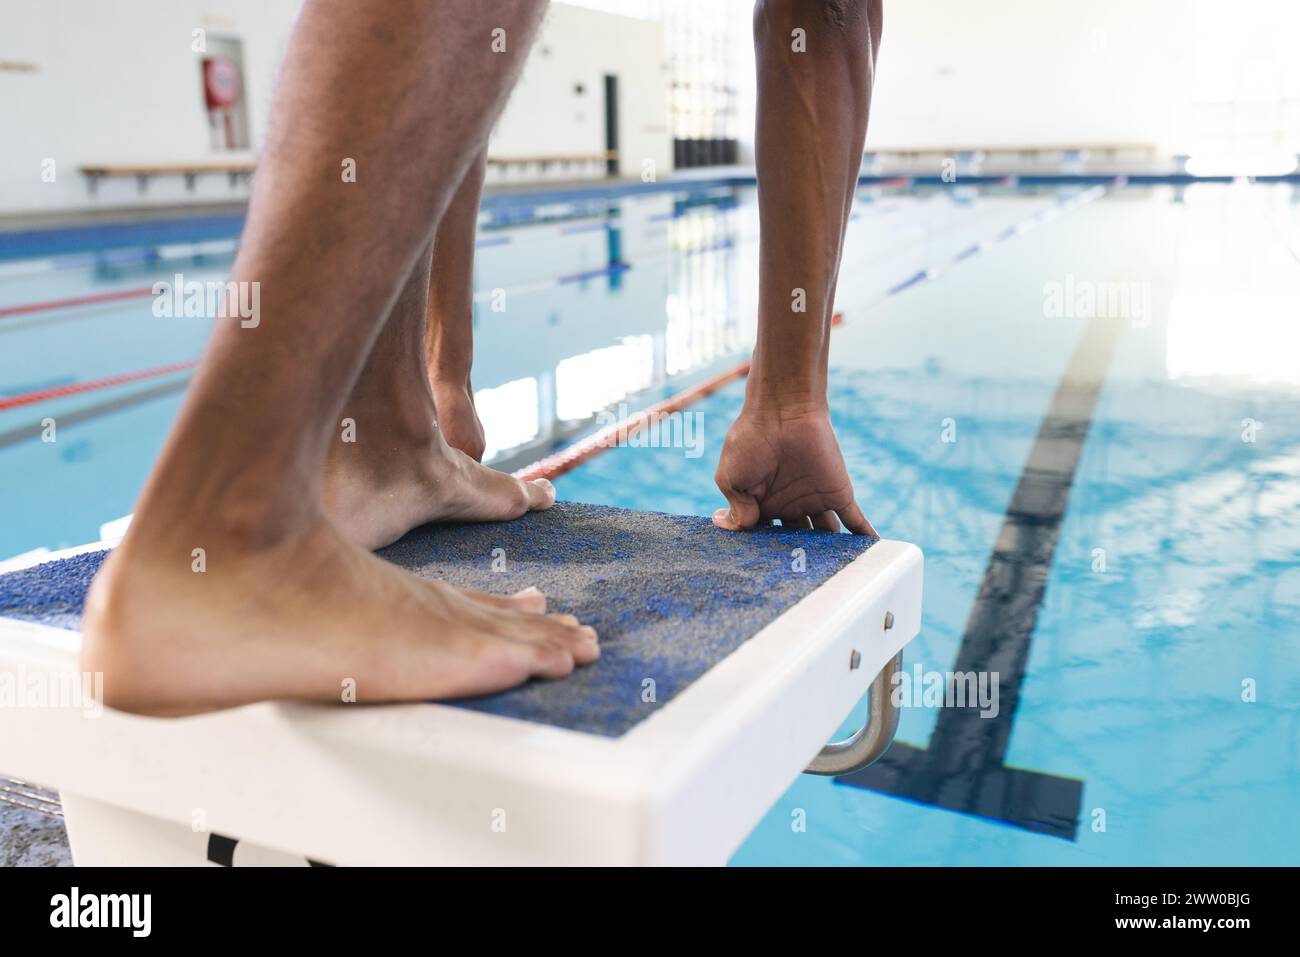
(104, 835)
(436, 784)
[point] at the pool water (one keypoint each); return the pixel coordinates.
(1152, 695)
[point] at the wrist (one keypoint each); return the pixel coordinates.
(784, 396)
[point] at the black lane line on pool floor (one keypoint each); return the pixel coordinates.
(963, 768)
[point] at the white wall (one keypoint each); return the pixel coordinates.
(118, 82)
(1177, 74)
(577, 47)
(1029, 72)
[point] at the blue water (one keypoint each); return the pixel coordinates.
(1174, 588)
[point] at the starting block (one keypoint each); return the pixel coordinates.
(728, 660)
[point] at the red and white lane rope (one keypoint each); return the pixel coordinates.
(92, 385)
(48, 305)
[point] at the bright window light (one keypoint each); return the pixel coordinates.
(586, 384)
(508, 413)
(1241, 164)
(1218, 331)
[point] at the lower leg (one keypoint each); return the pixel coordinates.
(428, 341)
(231, 586)
(450, 337)
(391, 466)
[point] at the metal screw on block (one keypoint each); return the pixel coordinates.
(855, 659)
(889, 620)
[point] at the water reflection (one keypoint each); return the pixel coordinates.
(643, 299)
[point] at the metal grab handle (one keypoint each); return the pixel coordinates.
(873, 738)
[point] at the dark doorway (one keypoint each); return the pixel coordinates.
(611, 124)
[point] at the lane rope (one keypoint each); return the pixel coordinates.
(49, 305)
(575, 454)
(91, 385)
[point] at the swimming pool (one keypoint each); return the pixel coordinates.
(1148, 682)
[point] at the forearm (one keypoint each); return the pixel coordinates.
(815, 63)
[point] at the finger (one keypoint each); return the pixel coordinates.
(856, 522)
(741, 516)
(827, 522)
(800, 522)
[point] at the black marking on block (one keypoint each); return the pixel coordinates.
(221, 849)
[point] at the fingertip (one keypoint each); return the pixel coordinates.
(722, 519)
(826, 521)
(856, 522)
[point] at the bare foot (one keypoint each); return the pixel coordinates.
(376, 494)
(309, 617)
(458, 418)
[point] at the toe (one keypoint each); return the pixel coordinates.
(552, 660)
(501, 496)
(587, 648)
(541, 494)
(529, 600)
(579, 640)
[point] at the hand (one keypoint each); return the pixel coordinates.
(787, 468)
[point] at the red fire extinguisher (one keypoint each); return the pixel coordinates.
(222, 87)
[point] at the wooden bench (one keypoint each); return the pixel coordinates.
(143, 172)
(1022, 152)
(545, 161)
(242, 170)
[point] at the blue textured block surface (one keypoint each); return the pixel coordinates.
(670, 595)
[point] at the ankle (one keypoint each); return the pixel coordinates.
(453, 386)
(239, 523)
(391, 459)
(403, 418)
